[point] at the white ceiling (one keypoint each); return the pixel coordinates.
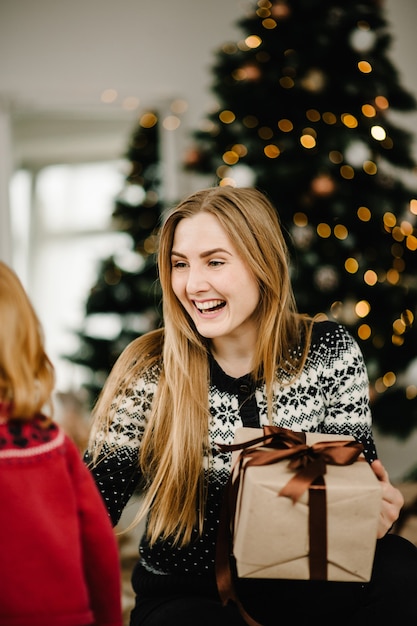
(57, 58)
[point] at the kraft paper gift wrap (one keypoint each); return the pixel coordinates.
(272, 533)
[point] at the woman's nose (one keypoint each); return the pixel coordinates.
(196, 281)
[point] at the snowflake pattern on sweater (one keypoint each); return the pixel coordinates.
(330, 396)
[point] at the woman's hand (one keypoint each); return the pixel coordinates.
(392, 500)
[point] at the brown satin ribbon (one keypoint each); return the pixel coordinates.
(309, 464)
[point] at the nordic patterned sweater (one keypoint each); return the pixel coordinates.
(331, 396)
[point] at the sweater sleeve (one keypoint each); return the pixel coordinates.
(99, 545)
(116, 476)
(344, 384)
(116, 472)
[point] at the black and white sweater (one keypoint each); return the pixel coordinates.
(331, 396)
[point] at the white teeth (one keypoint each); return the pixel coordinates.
(210, 304)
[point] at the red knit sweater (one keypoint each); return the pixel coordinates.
(59, 560)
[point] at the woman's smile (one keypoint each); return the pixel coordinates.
(209, 306)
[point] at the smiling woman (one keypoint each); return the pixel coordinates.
(233, 352)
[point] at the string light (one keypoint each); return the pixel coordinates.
(381, 102)
(340, 231)
(351, 265)
(230, 157)
(365, 67)
(314, 80)
(349, 120)
(411, 243)
(247, 72)
(240, 149)
(378, 133)
(272, 151)
(253, 41)
(335, 156)
(362, 308)
(312, 115)
(285, 125)
(286, 82)
(227, 117)
(368, 110)
(364, 214)
(322, 185)
(269, 23)
(329, 118)
(171, 122)
(389, 220)
(263, 11)
(147, 120)
(411, 392)
(370, 277)
(300, 219)
(369, 167)
(280, 10)
(324, 230)
(109, 95)
(308, 138)
(364, 332)
(347, 172)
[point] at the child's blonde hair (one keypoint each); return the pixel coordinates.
(27, 375)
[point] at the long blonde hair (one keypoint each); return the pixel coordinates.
(176, 437)
(27, 375)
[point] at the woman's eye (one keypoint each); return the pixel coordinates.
(216, 263)
(178, 264)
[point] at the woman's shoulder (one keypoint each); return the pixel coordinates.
(329, 332)
(333, 338)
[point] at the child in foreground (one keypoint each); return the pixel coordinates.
(59, 563)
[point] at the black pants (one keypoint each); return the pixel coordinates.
(390, 597)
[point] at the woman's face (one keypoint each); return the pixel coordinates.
(213, 283)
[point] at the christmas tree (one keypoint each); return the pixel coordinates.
(126, 297)
(304, 113)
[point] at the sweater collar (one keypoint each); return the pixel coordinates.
(224, 382)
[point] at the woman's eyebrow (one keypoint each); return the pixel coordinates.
(203, 254)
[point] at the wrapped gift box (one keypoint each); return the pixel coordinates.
(271, 536)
